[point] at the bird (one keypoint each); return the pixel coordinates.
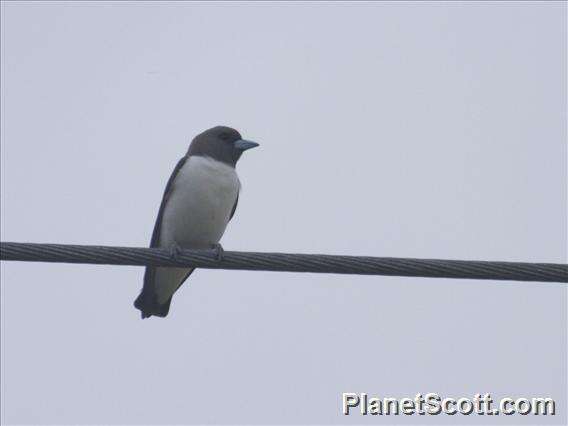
(200, 199)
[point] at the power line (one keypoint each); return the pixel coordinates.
(286, 262)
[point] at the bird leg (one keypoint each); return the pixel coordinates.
(218, 251)
(175, 252)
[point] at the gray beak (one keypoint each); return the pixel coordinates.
(243, 144)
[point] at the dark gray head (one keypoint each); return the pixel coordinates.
(220, 143)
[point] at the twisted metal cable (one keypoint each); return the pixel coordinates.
(286, 262)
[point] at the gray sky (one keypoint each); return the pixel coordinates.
(433, 130)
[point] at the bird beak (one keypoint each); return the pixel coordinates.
(243, 144)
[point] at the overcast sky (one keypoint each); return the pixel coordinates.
(431, 130)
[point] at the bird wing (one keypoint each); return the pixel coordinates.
(147, 301)
(167, 192)
(234, 207)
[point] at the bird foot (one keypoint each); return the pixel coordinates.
(175, 252)
(218, 251)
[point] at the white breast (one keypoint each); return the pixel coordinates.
(200, 204)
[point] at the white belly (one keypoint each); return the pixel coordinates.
(200, 204)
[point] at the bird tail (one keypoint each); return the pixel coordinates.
(147, 301)
(148, 305)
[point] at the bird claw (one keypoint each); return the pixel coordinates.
(218, 251)
(175, 252)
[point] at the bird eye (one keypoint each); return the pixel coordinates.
(224, 136)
